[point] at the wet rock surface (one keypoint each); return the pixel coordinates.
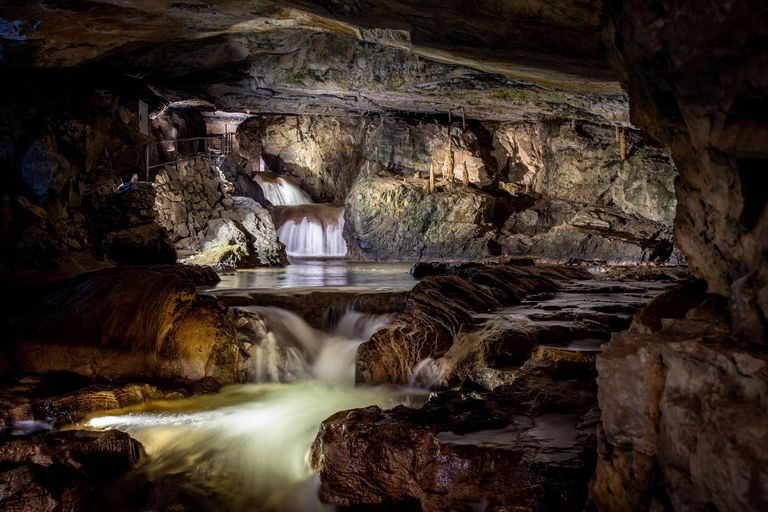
(320, 309)
(526, 444)
(458, 317)
(62, 471)
(32, 403)
(126, 324)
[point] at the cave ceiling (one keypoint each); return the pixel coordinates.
(497, 59)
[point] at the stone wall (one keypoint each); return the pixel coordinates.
(196, 205)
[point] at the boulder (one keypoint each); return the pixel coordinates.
(61, 471)
(525, 445)
(243, 236)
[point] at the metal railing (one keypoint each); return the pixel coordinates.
(211, 145)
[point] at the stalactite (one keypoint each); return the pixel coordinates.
(449, 116)
(450, 162)
(465, 175)
(623, 140)
(463, 119)
(431, 177)
(617, 134)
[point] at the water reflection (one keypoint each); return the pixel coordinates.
(333, 274)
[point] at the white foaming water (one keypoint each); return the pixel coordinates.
(248, 447)
(289, 349)
(314, 231)
(281, 191)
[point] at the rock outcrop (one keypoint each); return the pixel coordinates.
(527, 445)
(61, 471)
(439, 308)
(196, 206)
(698, 86)
(127, 324)
(549, 189)
(684, 411)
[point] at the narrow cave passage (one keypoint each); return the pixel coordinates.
(296, 256)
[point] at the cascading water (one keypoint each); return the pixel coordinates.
(308, 230)
(285, 349)
(281, 190)
(247, 447)
(312, 231)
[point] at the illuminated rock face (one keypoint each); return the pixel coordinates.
(576, 196)
(128, 325)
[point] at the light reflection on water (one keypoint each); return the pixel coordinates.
(248, 445)
(330, 274)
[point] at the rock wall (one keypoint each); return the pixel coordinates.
(684, 411)
(551, 189)
(196, 206)
(322, 151)
(683, 393)
(581, 162)
(64, 156)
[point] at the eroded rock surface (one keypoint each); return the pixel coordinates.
(684, 411)
(61, 471)
(441, 307)
(528, 444)
(127, 324)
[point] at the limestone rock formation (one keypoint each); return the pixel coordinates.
(440, 308)
(196, 206)
(31, 402)
(127, 324)
(684, 412)
(714, 128)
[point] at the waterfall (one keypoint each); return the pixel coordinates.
(284, 348)
(313, 230)
(282, 190)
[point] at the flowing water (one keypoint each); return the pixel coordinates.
(282, 190)
(311, 230)
(248, 447)
(308, 230)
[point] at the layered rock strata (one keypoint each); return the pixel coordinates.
(127, 324)
(441, 307)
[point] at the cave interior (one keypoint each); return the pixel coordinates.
(282, 255)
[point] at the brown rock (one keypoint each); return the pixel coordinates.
(129, 324)
(501, 450)
(439, 308)
(60, 471)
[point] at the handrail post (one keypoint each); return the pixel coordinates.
(146, 160)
